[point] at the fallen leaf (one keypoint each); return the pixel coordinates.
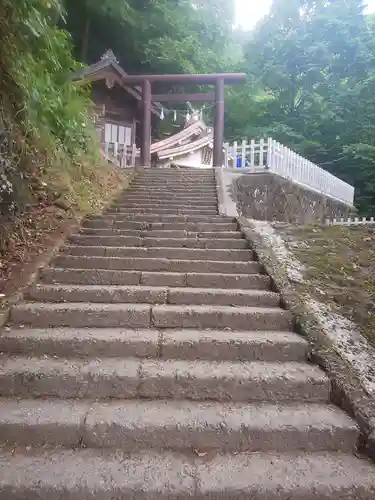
(200, 453)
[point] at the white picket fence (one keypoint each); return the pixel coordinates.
(351, 221)
(272, 156)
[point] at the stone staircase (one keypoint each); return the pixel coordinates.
(153, 361)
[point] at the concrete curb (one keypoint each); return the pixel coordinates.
(346, 389)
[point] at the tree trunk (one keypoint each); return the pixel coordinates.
(85, 39)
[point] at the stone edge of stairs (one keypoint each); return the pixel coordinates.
(346, 390)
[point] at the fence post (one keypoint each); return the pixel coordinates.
(252, 153)
(226, 154)
(261, 153)
(243, 153)
(235, 147)
(269, 152)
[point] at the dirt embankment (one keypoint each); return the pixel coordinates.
(27, 240)
(339, 269)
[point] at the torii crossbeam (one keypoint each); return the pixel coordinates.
(219, 80)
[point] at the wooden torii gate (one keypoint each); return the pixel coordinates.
(219, 80)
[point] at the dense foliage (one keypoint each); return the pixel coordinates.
(311, 86)
(44, 117)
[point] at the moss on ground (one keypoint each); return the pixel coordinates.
(340, 269)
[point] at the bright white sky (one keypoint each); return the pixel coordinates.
(248, 12)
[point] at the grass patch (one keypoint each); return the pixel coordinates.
(340, 269)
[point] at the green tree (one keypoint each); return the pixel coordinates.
(311, 63)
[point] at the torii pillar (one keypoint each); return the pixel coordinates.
(146, 124)
(219, 80)
(217, 159)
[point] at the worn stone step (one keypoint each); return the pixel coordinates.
(81, 315)
(217, 296)
(157, 264)
(131, 197)
(170, 225)
(166, 211)
(98, 294)
(162, 204)
(171, 196)
(151, 295)
(177, 173)
(163, 425)
(135, 426)
(214, 316)
(89, 474)
(144, 241)
(180, 187)
(183, 183)
(206, 243)
(240, 255)
(130, 378)
(160, 192)
(110, 277)
(215, 345)
(162, 233)
(92, 342)
(110, 224)
(192, 180)
(194, 185)
(222, 345)
(158, 218)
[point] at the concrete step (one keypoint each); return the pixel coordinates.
(214, 345)
(183, 183)
(88, 474)
(235, 255)
(172, 206)
(158, 218)
(143, 241)
(198, 200)
(170, 195)
(123, 223)
(164, 211)
(133, 315)
(177, 173)
(152, 295)
(213, 316)
(190, 183)
(162, 204)
(151, 202)
(109, 277)
(82, 315)
(157, 264)
(175, 179)
(159, 191)
(200, 180)
(131, 378)
(162, 233)
(136, 426)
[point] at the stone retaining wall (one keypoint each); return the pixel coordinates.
(266, 196)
